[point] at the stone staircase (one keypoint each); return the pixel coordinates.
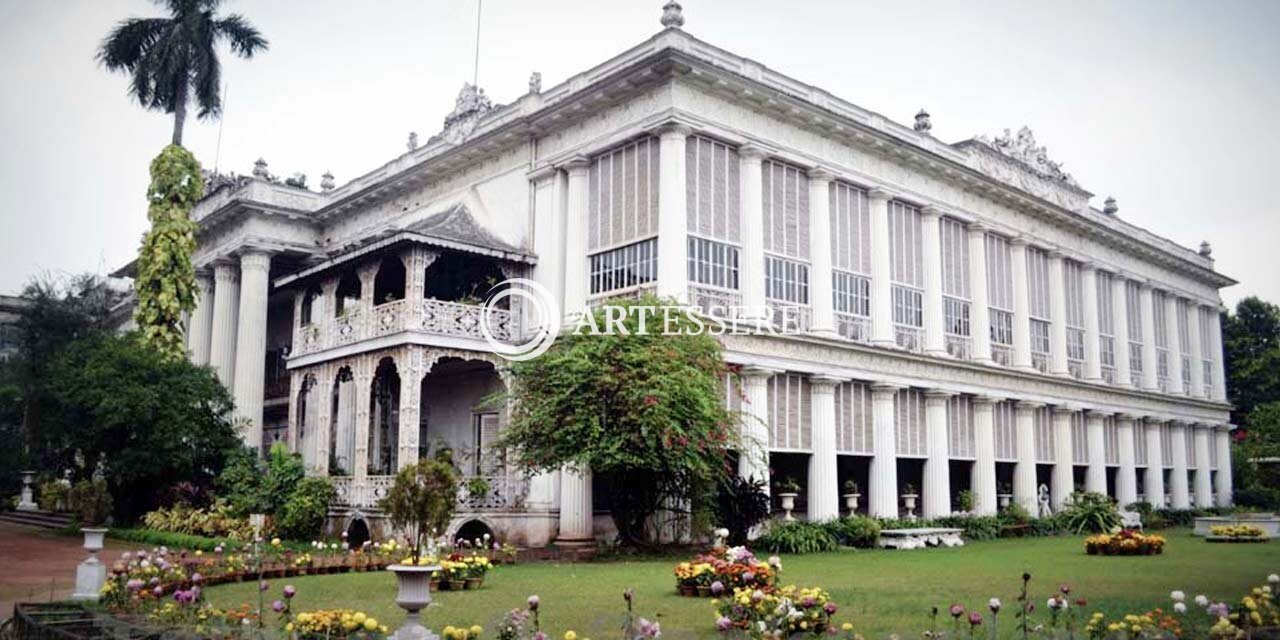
(39, 519)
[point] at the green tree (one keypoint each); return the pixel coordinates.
(175, 59)
(643, 411)
(166, 282)
(1251, 345)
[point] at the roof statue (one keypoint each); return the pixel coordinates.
(1023, 148)
(672, 15)
(468, 108)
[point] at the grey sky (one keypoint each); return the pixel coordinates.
(1169, 106)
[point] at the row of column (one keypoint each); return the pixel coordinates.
(228, 331)
(882, 494)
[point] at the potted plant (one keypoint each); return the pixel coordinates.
(851, 496)
(1005, 495)
(788, 489)
(477, 490)
(91, 502)
(909, 497)
(420, 502)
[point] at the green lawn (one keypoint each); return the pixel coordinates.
(879, 591)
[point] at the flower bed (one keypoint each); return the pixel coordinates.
(724, 569)
(788, 612)
(1236, 533)
(1124, 543)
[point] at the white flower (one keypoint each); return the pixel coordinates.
(994, 603)
(1266, 588)
(1052, 603)
(1202, 601)
(1178, 596)
(1179, 607)
(775, 562)
(1273, 578)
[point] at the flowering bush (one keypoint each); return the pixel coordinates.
(1124, 543)
(787, 612)
(215, 522)
(724, 569)
(328, 624)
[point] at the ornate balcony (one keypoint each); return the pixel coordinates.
(959, 347)
(909, 338)
(715, 302)
(1002, 354)
(855, 328)
(1040, 361)
(436, 317)
(501, 493)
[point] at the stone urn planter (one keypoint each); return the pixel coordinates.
(788, 504)
(92, 573)
(909, 501)
(1005, 499)
(413, 594)
(851, 502)
(27, 502)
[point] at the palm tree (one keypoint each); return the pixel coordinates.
(173, 58)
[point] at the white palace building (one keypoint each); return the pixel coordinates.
(970, 322)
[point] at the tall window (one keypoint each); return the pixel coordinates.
(1106, 328)
(714, 224)
(1139, 443)
(1079, 439)
(789, 412)
(1213, 453)
(1133, 315)
(855, 433)
(1184, 343)
(1189, 438)
(1073, 283)
(1160, 319)
(622, 218)
(1000, 298)
(1005, 431)
(1111, 445)
(955, 287)
(1042, 423)
(1206, 348)
(851, 260)
(786, 243)
(960, 436)
(907, 274)
(1038, 294)
(909, 423)
(1166, 445)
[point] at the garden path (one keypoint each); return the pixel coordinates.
(38, 565)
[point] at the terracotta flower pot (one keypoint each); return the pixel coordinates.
(688, 590)
(474, 583)
(704, 591)
(457, 585)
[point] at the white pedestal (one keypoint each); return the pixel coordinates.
(92, 573)
(27, 502)
(413, 594)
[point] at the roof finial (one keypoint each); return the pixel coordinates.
(923, 123)
(1205, 249)
(535, 82)
(413, 140)
(672, 15)
(326, 181)
(260, 169)
(1109, 206)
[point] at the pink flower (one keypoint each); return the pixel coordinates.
(724, 624)
(975, 618)
(277, 606)
(289, 591)
(956, 611)
(830, 608)
(533, 603)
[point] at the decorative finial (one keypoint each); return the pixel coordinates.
(326, 181)
(1205, 249)
(260, 169)
(923, 123)
(535, 82)
(672, 15)
(1109, 206)
(413, 140)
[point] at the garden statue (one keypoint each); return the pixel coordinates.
(27, 502)
(1042, 498)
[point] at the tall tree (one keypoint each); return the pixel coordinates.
(1251, 345)
(166, 282)
(174, 59)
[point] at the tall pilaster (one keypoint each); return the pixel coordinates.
(820, 299)
(753, 459)
(750, 188)
(1092, 344)
(935, 343)
(251, 342)
(362, 371)
(1058, 316)
(1120, 324)
(937, 471)
(226, 304)
(575, 506)
(983, 479)
(673, 214)
(1061, 482)
(1203, 433)
(1174, 342)
(1150, 372)
(881, 285)
(1178, 485)
(1215, 352)
(882, 501)
(980, 307)
(323, 398)
(1021, 306)
(1226, 494)
(1127, 474)
(411, 368)
(1095, 478)
(1154, 479)
(1024, 470)
(1196, 349)
(823, 486)
(200, 329)
(575, 237)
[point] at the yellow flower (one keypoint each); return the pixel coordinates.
(476, 630)
(570, 635)
(288, 627)
(359, 617)
(275, 542)
(846, 627)
(370, 624)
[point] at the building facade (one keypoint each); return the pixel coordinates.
(968, 328)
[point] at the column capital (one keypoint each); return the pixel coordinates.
(1087, 265)
(825, 382)
(576, 165)
(881, 193)
(1018, 241)
(1056, 254)
(1126, 417)
(985, 400)
(1092, 412)
(255, 259)
(820, 174)
(1029, 405)
(883, 388)
(1225, 428)
(674, 130)
(977, 227)
(932, 211)
(1065, 409)
(753, 371)
(753, 151)
(542, 173)
(939, 394)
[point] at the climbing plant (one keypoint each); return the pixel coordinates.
(166, 279)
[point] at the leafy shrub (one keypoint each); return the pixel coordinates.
(975, 527)
(303, 515)
(965, 500)
(251, 485)
(1014, 514)
(797, 537)
(1050, 526)
(174, 540)
(1090, 512)
(54, 496)
(422, 500)
(91, 502)
(215, 522)
(1181, 517)
(857, 531)
(741, 504)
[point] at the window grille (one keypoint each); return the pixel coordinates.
(1111, 444)
(1106, 327)
(786, 243)
(955, 286)
(711, 170)
(1042, 421)
(1000, 298)
(960, 435)
(1161, 329)
(1079, 439)
(623, 196)
(1038, 294)
(789, 412)
(1006, 432)
(855, 432)
(909, 423)
(1206, 348)
(1166, 445)
(625, 267)
(1189, 439)
(712, 263)
(851, 260)
(1139, 443)
(1213, 452)
(907, 274)
(1133, 316)
(1073, 283)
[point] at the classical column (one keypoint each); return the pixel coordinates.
(368, 275)
(1061, 482)
(293, 417)
(979, 307)
(1215, 352)
(935, 343)
(251, 342)
(362, 371)
(1021, 308)
(824, 503)
(751, 194)
(820, 301)
(1173, 342)
(882, 498)
(753, 459)
(1178, 490)
(1092, 343)
(937, 470)
(577, 211)
(1095, 479)
(1225, 492)
(1196, 349)
(1154, 479)
(226, 303)
(673, 214)
(881, 285)
(323, 397)
(1057, 316)
(199, 331)
(1204, 471)
(983, 479)
(1127, 474)
(1150, 378)
(1024, 470)
(575, 506)
(411, 368)
(1120, 325)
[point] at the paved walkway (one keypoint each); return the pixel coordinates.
(38, 565)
